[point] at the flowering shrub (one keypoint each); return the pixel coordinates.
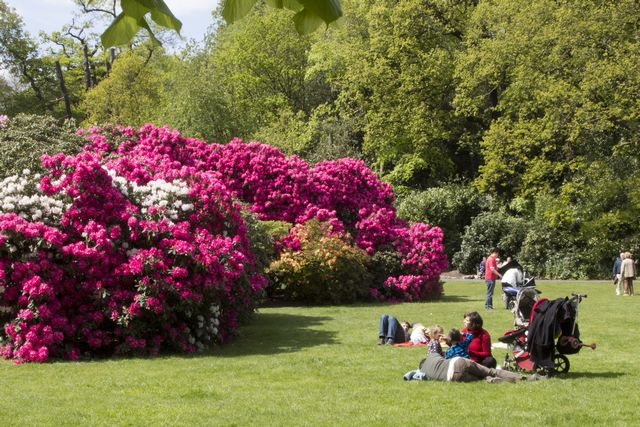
(423, 259)
(136, 244)
(128, 267)
(326, 269)
(3, 121)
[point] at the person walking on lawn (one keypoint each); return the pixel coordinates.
(627, 273)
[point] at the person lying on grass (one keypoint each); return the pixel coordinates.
(458, 369)
(393, 331)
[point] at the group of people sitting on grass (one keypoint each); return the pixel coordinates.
(468, 357)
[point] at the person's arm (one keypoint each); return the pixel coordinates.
(466, 341)
(485, 345)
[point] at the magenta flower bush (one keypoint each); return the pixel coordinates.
(137, 245)
(136, 264)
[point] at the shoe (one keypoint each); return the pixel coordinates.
(537, 377)
(618, 293)
(381, 341)
(489, 308)
(390, 341)
(409, 375)
(497, 380)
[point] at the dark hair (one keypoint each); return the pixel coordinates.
(454, 336)
(475, 320)
(495, 250)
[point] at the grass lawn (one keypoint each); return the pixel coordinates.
(321, 366)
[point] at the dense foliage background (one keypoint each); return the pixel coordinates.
(506, 122)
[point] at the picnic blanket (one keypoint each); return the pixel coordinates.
(409, 344)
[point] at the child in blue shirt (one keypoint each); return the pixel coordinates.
(458, 344)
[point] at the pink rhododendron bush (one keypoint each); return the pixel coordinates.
(137, 245)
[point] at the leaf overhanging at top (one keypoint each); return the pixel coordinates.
(132, 19)
(236, 9)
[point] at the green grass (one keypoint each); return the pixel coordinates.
(321, 366)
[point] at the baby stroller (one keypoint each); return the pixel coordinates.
(513, 279)
(533, 346)
(511, 293)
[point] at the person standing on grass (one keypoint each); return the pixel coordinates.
(616, 273)
(491, 274)
(627, 273)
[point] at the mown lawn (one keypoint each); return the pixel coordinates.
(321, 366)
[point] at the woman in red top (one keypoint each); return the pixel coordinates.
(480, 346)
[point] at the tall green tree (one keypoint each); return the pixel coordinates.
(134, 91)
(249, 76)
(393, 66)
(19, 55)
(555, 84)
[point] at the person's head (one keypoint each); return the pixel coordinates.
(435, 332)
(473, 321)
(454, 337)
(621, 255)
(495, 252)
(405, 325)
(627, 255)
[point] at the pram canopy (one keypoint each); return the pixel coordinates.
(525, 300)
(549, 320)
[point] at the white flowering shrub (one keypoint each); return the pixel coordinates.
(158, 198)
(22, 195)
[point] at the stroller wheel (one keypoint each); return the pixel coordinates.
(561, 363)
(511, 305)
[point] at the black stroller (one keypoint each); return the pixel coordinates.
(513, 280)
(542, 343)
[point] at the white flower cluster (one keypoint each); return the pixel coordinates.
(206, 328)
(170, 198)
(22, 195)
(3, 121)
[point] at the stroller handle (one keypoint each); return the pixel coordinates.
(577, 297)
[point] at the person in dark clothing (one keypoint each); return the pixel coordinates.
(616, 272)
(392, 331)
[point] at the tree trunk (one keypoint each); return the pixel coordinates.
(87, 67)
(94, 79)
(63, 89)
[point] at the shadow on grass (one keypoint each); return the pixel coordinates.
(577, 375)
(272, 333)
(454, 298)
(268, 333)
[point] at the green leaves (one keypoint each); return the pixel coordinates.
(237, 9)
(311, 13)
(133, 18)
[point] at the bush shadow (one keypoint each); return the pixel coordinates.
(454, 298)
(272, 333)
(578, 375)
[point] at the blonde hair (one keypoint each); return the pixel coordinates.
(627, 255)
(434, 331)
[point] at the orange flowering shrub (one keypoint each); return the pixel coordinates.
(325, 269)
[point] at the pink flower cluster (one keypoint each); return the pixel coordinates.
(345, 193)
(423, 259)
(110, 279)
(151, 252)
